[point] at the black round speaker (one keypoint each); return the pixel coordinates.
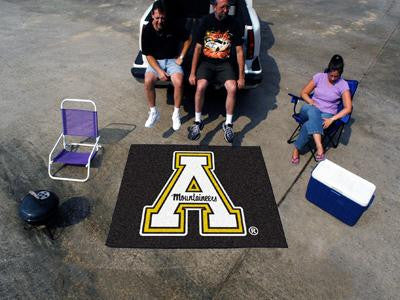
(38, 207)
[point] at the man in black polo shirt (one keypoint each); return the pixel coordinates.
(160, 44)
(218, 34)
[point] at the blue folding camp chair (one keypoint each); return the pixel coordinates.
(333, 133)
(76, 123)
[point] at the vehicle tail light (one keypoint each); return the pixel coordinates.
(250, 44)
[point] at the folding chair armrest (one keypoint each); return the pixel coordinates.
(295, 99)
(52, 150)
(345, 119)
(95, 146)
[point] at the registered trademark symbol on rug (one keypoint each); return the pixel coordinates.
(253, 230)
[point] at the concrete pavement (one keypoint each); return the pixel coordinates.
(50, 51)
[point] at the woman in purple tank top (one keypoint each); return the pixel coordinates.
(321, 110)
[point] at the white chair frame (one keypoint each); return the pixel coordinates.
(95, 147)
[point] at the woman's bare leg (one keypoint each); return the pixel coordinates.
(318, 143)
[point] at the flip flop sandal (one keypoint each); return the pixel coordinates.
(295, 160)
(320, 157)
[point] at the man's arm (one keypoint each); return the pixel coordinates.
(154, 64)
(185, 49)
(195, 62)
(240, 61)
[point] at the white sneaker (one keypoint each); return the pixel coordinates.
(176, 122)
(152, 119)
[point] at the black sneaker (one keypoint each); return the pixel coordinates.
(228, 132)
(194, 130)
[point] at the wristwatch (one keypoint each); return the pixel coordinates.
(181, 57)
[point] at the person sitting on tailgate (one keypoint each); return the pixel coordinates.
(218, 34)
(160, 44)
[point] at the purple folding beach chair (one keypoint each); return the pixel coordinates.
(76, 123)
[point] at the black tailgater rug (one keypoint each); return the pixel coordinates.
(180, 196)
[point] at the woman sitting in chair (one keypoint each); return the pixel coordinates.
(321, 110)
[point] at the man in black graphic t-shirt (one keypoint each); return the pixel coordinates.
(160, 44)
(218, 35)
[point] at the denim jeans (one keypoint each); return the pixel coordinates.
(313, 124)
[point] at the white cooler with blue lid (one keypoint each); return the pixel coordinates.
(339, 192)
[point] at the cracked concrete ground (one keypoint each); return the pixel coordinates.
(84, 49)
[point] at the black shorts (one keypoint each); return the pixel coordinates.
(218, 73)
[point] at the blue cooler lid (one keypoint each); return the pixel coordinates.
(344, 182)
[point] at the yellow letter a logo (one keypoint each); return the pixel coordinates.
(193, 186)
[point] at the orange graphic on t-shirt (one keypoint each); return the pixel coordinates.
(217, 44)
